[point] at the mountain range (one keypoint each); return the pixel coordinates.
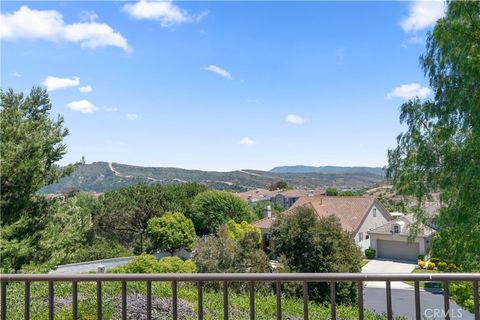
(105, 176)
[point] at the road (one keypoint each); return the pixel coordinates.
(403, 303)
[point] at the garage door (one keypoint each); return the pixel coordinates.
(400, 250)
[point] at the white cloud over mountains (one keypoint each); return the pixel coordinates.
(26, 23)
(409, 91)
(83, 106)
(423, 14)
(55, 83)
(161, 10)
(220, 71)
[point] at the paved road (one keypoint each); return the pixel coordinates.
(403, 303)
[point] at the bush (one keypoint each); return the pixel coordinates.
(430, 265)
(370, 253)
(462, 293)
(442, 266)
(421, 257)
(421, 264)
(435, 260)
(176, 265)
(238, 231)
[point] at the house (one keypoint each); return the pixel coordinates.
(391, 240)
(285, 198)
(358, 215)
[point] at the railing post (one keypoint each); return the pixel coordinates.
(389, 300)
(99, 300)
(74, 300)
(279, 299)
(149, 300)
(225, 300)
(360, 300)
(252, 300)
(305, 300)
(446, 300)
(174, 300)
(27, 301)
(200, 300)
(333, 300)
(51, 297)
(124, 300)
(4, 300)
(475, 300)
(418, 314)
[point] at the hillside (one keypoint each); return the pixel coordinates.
(104, 176)
(328, 169)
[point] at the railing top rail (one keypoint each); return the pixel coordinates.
(192, 277)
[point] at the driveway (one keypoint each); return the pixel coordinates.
(388, 266)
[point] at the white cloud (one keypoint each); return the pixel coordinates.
(423, 14)
(109, 109)
(85, 89)
(16, 74)
(83, 106)
(55, 83)
(26, 23)
(409, 91)
(88, 16)
(132, 116)
(161, 10)
(247, 141)
(221, 72)
(294, 119)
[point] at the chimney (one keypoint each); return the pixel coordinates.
(267, 212)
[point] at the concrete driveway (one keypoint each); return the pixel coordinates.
(388, 266)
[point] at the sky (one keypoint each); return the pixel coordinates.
(221, 85)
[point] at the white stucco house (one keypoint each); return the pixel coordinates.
(392, 241)
(357, 215)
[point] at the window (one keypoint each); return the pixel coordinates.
(396, 229)
(360, 236)
(374, 212)
(367, 237)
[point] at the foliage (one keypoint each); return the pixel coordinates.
(312, 244)
(331, 192)
(430, 265)
(171, 232)
(442, 266)
(238, 231)
(213, 208)
(462, 293)
(278, 185)
(421, 263)
(32, 144)
(439, 152)
(370, 253)
(421, 257)
(176, 265)
(222, 254)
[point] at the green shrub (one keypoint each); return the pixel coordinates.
(462, 293)
(370, 253)
(421, 257)
(435, 260)
(442, 266)
(144, 263)
(176, 265)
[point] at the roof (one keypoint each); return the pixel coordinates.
(351, 211)
(407, 220)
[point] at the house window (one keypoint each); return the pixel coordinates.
(360, 236)
(367, 237)
(266, 240)
(374, 212)
(396, 229)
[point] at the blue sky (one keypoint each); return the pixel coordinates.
(221, 85)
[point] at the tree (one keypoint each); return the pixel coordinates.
(278, 185)
(176, 265)
(32, 144)
(238, 231)
(440, 149)
(312, 244)
(331, 192)
(171, 232)
(213, 208)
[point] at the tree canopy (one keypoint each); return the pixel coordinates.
(213, 208)
(440, 149)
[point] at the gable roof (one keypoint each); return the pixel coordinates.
(424, 231)
(351, 211)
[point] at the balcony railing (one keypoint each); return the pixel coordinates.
(251, 278)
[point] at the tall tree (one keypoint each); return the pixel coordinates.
(32, 144)
(440, 150)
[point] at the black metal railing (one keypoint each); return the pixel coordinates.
(201, 278)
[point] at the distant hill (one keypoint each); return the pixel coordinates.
(104, 176)
(329, 169)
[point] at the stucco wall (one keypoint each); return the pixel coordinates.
(368, 224)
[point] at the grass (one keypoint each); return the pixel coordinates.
(213, 302)
(364, 262)
(425, 284)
